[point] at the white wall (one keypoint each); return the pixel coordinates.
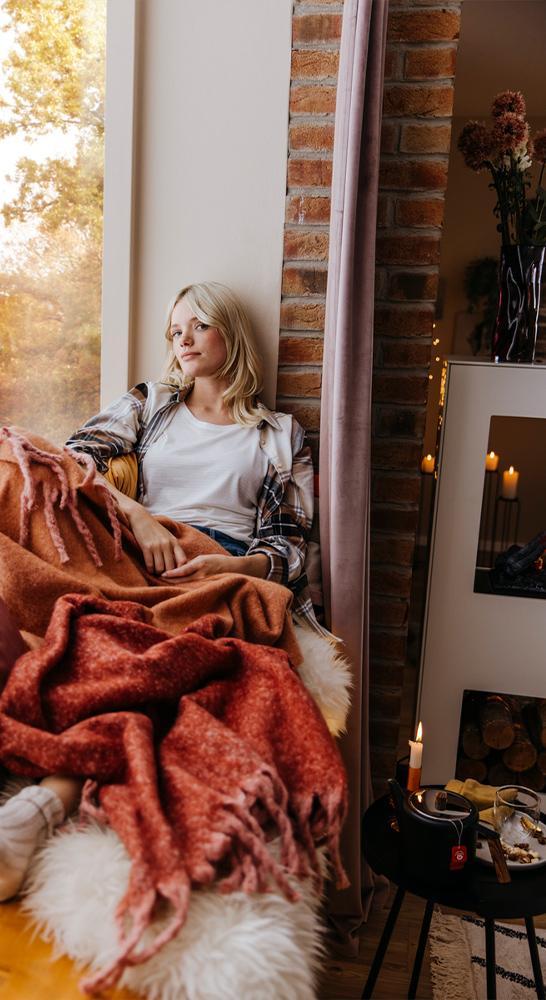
(210, 165)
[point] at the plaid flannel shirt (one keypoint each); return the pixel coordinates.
(285, 505)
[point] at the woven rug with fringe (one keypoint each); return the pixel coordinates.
(457, 959)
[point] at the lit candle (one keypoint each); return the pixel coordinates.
(427, 465)
(415, 760)
(509, 489)
(491, 462)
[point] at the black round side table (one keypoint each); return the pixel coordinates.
(523, 897)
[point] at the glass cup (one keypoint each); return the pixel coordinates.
(516, 815)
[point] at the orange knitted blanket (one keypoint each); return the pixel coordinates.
(60, 533)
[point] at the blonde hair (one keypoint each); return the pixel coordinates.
(216, 305)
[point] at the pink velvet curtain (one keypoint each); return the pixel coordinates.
(346, 401)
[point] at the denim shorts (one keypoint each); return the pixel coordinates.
(233, 545)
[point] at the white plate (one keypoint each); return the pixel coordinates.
(514, 834)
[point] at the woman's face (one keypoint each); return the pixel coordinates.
(199, 349)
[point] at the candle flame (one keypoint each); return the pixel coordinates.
(511, 470)
(491, 454)
(419, 733)
(429, 457)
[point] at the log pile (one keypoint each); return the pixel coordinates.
(503, 740)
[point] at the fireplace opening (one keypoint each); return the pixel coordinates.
(502, 739)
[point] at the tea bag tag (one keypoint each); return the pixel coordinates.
(458, 857)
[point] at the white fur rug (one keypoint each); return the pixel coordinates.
(233, 947)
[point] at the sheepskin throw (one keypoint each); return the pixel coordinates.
(200, 747)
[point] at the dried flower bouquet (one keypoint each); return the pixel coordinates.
(507, 150)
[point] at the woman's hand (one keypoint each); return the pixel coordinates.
(161, 550)
(203, 566)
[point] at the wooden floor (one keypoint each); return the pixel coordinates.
(344, 979)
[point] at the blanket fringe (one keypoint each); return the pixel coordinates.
(61, 495)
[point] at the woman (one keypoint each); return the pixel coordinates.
(209, 454)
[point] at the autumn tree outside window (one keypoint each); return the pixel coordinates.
(51, 200)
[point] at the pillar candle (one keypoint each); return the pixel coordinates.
(491, 462)
(509, 489)
(415, 760)
(427, 465)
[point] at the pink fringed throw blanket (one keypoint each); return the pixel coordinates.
(199, 747)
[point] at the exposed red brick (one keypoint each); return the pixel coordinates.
(316, 28)
(419, 212)
(427, 175)
(389, 613)
(380, 283)
(305, 246)
(411, 285)
(386, 702)
(395, 455)
(389, 137)
(423, 25)
(425, 139)
(395, 321)
(393, 64)
(405, 99)
(302, 315)
(309, 173)
(397, 489)
(430, 63)
(385, 518)
(400, 388)
(383, 763)
(383, 674)
(316, 64)
(393, 551)
(318, 99)
(308, 415)
(300, 350)
(390, 582)
(304, 280)
(388, 646)
(312, 137)
(408, 249)
(383, 210)
(405, 353)
(307, 209)
(299, 383)
(400, 422)
(382, 731)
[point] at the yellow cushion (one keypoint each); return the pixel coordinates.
(122, 473)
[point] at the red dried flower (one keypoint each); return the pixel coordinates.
(509, 101)
(539, 143)
(476, 144)
(510, 132)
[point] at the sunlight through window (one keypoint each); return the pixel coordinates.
(52, 70)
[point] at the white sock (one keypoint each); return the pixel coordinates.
(25, 821)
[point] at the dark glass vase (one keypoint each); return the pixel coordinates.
(516, 326)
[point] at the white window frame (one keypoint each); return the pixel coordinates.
(119, 136)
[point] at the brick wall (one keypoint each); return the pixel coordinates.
(315, 56)
(420, 66)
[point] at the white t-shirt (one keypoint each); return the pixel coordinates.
(205, 474)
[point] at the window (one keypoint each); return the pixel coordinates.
(51, 200)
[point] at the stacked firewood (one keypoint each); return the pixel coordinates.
(503, 740)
